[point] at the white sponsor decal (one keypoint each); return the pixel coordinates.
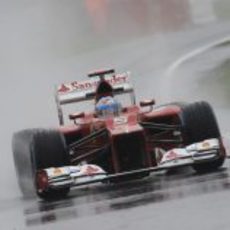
(91, 84)
(174, 155)
(120, 120)
(75, 171)
(204, 145)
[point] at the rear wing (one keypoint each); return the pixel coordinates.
(78, 91)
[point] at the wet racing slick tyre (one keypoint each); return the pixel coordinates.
(199, 123)
(21, 147)
(37, 149)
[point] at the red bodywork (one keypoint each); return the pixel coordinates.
(122, 143)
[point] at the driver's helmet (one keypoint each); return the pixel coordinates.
(107, 106)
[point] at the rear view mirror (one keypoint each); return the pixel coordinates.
(147, 103)
(74, 116)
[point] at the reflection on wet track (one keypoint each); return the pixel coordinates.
(99, 199)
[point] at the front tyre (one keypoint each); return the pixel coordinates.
(35, 150)
(25, 170)
(49, 150)
(199, 123)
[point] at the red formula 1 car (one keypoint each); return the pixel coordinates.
(114, 142)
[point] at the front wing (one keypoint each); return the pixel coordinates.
(70, 176)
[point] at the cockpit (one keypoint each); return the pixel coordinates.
(107, 107)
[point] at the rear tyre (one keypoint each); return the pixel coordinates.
(39, 149)
(199, 123)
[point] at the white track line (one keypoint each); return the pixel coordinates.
(180, 61)
(194, 53)
(168, 78)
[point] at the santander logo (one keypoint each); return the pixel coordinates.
(87, 85)
(63, 88)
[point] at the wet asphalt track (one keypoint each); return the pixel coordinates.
(47, 42)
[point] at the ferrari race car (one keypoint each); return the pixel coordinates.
(114, 142)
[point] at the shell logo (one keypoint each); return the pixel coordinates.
(57, 171)
(205, 145)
